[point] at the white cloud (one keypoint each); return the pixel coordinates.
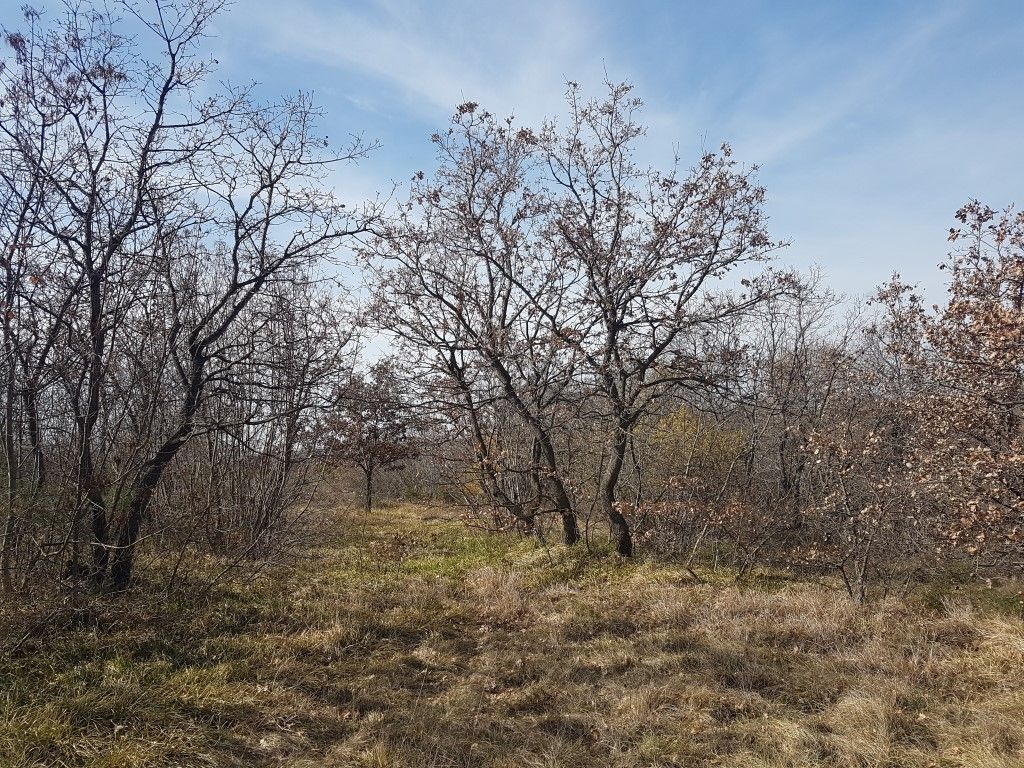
(508, 57)
(807, 90)
(861, 202)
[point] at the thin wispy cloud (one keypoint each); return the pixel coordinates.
(435, 57)
(872, 123)
(802, 96)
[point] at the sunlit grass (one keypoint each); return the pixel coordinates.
(414, 641)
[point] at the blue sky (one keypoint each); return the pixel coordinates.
(872, 121)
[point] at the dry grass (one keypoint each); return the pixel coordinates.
(419, 643)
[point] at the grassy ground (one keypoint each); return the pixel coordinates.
(416, 642)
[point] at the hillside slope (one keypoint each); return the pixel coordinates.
(414, 641)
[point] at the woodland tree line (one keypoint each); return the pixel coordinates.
(579, 346)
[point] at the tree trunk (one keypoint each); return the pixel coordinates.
(609, 483)
(11, 460)
(489, 480)
(92, 507)
(559, 496)
(10, 523)
(7, 552)
(124, 555)
(141, 496)
(562, 502)
(150, 474)
(32, 421)
(570, 529)
(92, 499)
(368, 472)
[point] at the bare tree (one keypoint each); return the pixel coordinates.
(566, 268)
(373, 426)
(144, 225)
(648, 248)
(463, 281)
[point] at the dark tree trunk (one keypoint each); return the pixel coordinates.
(150, 474)
(32, 419)
(570, 529)
(368, 473)
(124, 556)
(609, 483)
(559, 496)
(93, 502)
(10, 523)
(141, 496)
(488, 477)
(7, 553)
(92, 507)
